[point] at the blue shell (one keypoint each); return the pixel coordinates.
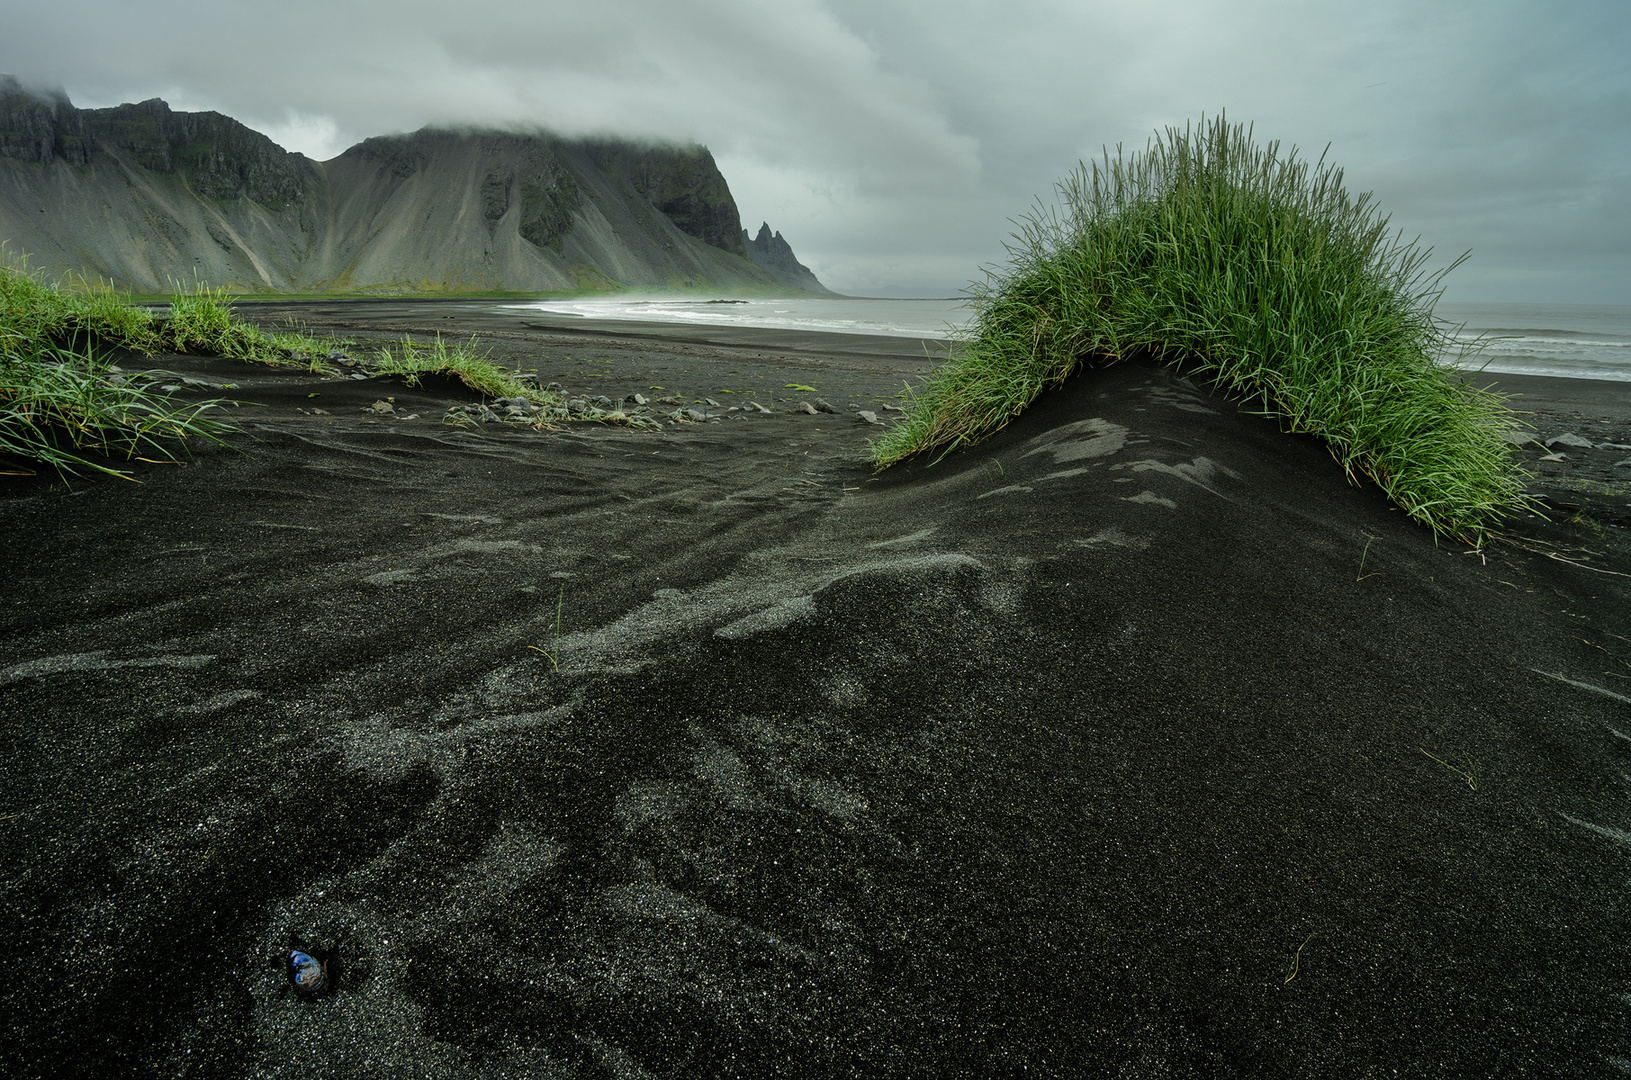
(309, 974)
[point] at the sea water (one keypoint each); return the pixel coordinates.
(830, 315)
(1574, 341)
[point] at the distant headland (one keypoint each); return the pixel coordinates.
(145, 197)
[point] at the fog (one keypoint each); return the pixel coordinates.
(891, 143)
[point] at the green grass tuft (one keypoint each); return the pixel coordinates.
(60, 398)
(460, 361)
(1258, 271)
(202, 322)
(57, 405)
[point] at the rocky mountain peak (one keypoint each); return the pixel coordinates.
(774, 255)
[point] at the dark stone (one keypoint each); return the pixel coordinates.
(495, 196)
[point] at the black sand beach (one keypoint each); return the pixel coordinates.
(1132, 742)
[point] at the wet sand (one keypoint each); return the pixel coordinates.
(1134, 740)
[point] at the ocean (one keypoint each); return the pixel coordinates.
(1573, 341)
(835, 315)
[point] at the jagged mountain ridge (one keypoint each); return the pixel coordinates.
(146, 197)
(775, 256)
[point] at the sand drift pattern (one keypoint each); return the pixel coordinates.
(1046, 760)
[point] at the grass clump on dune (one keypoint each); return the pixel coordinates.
(462, 362)
(58, 406)
(202, 322)
(63, 403)
(1258, 271)
(61, 398)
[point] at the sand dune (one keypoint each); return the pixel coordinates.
(1133, 742)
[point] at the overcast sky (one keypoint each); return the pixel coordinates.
(890, 142)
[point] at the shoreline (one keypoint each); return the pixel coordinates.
(432, 317)
(1553, 393)
(1544, 393)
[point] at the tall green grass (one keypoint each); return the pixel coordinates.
(61, 399)
(62, 405)
(58, 406)
(1258, 271)
(411, 360)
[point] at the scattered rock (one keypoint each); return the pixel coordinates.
(1571, 439)
(337, 354)
(869, 416)
(555, 388)
(1554, 457)
(711, 403)
(1612, 446)
(695, 415)
(759, 408)
(602, 401)
(1626, 464)
(805, 407)
(381, 407)
(893, 408)
(823, 405)
(636, 399)
(321, 412)
(1516, 438)
(360, 377)
(520, 411)
(529, 379)
(668, 401)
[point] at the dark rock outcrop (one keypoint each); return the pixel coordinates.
(687, 186)
(219, 157)
(774, 255)
(40, 126)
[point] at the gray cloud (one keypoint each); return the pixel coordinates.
(891, 142)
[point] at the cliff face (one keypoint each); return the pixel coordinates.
(219, 157)
(146, 197)
(775, 256)
(40, 128)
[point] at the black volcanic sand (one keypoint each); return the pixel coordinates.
(1100, 749)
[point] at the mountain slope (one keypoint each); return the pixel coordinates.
(146, 197)
(775, 256)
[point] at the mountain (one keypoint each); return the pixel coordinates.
(145, 197)
(775, 256)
